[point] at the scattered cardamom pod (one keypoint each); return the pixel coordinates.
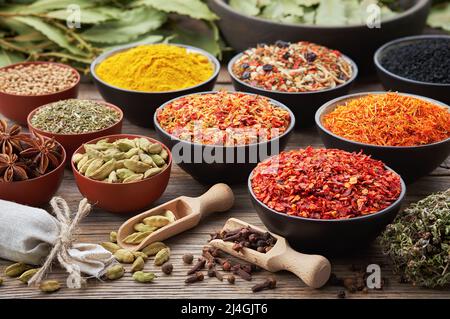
(27, 275)
(124, 256)
(143, 277)
(156, 221)
(162, 256)
(111, 247)
(49, 286)
(136, 238)
(138, 264)
(140, 254)
(115, 272)
(17, 269)
(141, 227)
(113, 237)
(170, 215)
(153, 248)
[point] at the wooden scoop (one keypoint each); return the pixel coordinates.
(187, 210)
(314, 270)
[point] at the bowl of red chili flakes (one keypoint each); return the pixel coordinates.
(325, 201)
(221, 136)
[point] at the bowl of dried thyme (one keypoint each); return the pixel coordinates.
(73, 122)
(31, 166)
(28, 85)
(410, 133)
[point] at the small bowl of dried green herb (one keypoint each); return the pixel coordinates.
(31, 166)
(410, 133)
(122, 173)
(74, 122)
(28, 85)
(325, 200)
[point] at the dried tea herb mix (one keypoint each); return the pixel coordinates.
(214, 117)
(425, 60)
(75, 117)
(292, 67)
(389, 119)
(325, 184)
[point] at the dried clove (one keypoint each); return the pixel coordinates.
(270, 283)
(237, 270)
(198, 266)
(198, 276)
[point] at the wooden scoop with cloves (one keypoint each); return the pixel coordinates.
(271, 252)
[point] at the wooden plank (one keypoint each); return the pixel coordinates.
(96, 227)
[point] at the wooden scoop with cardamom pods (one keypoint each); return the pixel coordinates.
(185, 213)
(314, 270)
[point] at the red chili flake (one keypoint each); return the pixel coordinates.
(224, 118)
(325, 184)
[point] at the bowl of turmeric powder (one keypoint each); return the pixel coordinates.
(140, 78)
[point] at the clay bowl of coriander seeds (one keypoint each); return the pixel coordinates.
(410, 133)
(336, 24)
(159, 73)
(74, 122)
(122, 173)
(300, 75)
(31, 168)
(226, 135)
(28, 85)
(325, 201)
(418, 65)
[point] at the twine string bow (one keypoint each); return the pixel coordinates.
(68, 227)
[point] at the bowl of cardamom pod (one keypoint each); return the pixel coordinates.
(73, 122)
(122, 173)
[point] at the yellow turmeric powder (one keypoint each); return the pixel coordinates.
(155, 68)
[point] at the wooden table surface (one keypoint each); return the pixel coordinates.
(95, 228)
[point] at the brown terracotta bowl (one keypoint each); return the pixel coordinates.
(73, 141)
(123, 198)
(17, 107)
(37, 191)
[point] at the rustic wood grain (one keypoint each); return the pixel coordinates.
(96, 227)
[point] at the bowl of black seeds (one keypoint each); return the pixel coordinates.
(418, 65)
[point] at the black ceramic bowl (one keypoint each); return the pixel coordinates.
(138, 106)
(243, 158)
(328, 237)
(357, 41)
(411, 162)
(394, 82)
(303, 104)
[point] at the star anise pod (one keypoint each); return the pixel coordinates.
(10, 138)
(11, 169)
(43, 153)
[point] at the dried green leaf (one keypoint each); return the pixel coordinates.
(88, 16)
(193, 8)
(131, 25)
(8, 57)
(440, 17)
(248, 7)
(43, 6)
(331, 13)
(283, 10)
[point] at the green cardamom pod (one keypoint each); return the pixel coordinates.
(49, 286)
(115, 272)
(156, 221)
(133, 178)
(170, 215)
(153, 248)
(123, 173)
(125, 144)
(95, 164)
(143, 277)
(113, 237)
(131, 153)
(82, 161)
(27, 275)
(136, 238)
(111, 247)
(158, 160)
(162, 256)
(140, 254)
(17, 269)
(112, 178)
(145, 158)
(141, 227)
(164, 155)
(124, 256)
(85, 166)
(103, 171)
(152, 172)
(155, 148)
(143, 144)
(76, 158)
(138, 264)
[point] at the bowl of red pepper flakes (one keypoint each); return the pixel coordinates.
(301, 75)
(325, 200)
(409, 133)
(221, 136)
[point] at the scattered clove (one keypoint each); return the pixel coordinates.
(270, 283)
(198, 276)
(198, 266)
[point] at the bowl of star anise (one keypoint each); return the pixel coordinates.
(31, 166)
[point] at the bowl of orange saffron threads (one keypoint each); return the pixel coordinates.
(410, 133)
(326, 201)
